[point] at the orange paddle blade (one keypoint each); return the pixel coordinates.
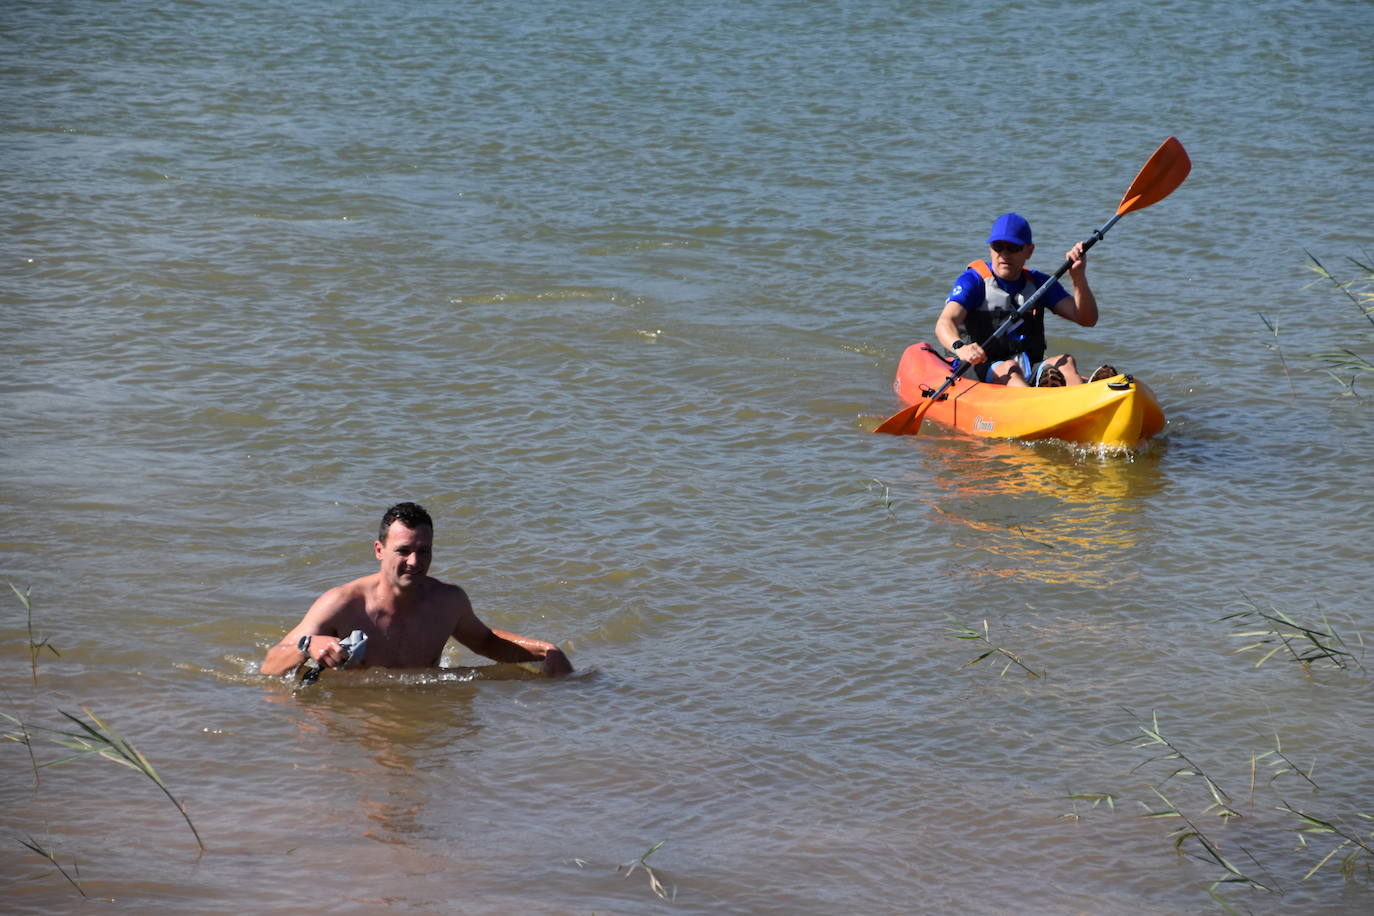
(905, 422)
(1157, 178)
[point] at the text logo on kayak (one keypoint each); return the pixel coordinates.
(983, 426)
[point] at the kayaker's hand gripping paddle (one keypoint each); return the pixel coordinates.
(1160, 176)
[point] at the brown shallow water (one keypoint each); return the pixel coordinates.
(618, 292)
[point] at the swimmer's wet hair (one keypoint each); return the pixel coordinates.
(412, 515)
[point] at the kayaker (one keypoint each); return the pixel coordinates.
(406, 615)
(989, 291)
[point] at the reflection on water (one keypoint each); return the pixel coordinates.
(407, 723)
(1057, 513)
(377, 738)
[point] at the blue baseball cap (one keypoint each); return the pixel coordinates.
(1010, 227)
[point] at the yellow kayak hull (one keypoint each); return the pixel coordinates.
(1119, 412)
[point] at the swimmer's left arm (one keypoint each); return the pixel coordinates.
(504, 646)
(555, 662)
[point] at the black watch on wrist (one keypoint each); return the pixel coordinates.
(957, 344)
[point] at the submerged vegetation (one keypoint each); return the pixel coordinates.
(1358, 847)
(1242, 839)
(1353, 831)
(1358, 289)
(1306, 645)
(1352, 363)
(1230, 833)
(1195, 836)
(960, 631)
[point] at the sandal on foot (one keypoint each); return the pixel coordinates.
(1049, 377)
(1104, 371)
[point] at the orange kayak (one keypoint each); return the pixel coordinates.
(1119, 412)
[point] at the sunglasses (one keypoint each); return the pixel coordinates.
(1006, 247)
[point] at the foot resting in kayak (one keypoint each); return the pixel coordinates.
(1049, 377)
(1104, 371)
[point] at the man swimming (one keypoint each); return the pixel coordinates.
(406, 614)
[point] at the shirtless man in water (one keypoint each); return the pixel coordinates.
(407, 615)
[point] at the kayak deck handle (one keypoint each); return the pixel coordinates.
(927, 391)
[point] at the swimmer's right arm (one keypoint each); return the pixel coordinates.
(324, 639)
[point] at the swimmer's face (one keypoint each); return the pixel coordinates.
(405, 554)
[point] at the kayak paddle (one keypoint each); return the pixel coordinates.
(1159, 177)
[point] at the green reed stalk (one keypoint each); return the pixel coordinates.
(1346, 360)
(35, 646)
(1360, 291)
(1097, 798)
(104, 741)
(655, 884)
(1352, 834)
(1359, 846)
(959, 631)
(1303, 644)
(1154, 737)
(886, 498)
(1210, 851)
(1284, 766)
(33, 844)
(26, 739)
(1273, 329)
(1364, 302)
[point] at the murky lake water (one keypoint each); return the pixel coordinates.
(617, 291)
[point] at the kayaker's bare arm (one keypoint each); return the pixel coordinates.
(947, 332)
(1081, 307)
